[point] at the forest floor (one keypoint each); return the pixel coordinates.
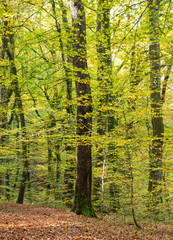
(19, 222)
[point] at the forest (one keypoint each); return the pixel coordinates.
(86, 106)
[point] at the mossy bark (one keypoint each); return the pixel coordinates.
(82, 205)
(82, 199)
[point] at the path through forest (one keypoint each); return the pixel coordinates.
(25, 222)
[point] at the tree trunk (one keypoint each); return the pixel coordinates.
(3, 114)
(156, 149)
(65, 49)
(106, 120)
(50, 166)
(15, 88)
(4, 99)
(82, 199)
(8, 45)
(23, 128)
(67, 71)
(129, 129)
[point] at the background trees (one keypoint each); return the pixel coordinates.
(129, 78)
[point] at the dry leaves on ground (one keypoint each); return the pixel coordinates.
(24, 222)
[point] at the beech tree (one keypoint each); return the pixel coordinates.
(156, 150)
(82, 199)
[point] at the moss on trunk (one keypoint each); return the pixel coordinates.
(82, 205)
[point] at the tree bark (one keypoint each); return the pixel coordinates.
(82, 199)
(156, 149)
(3, 114)
(8, 42)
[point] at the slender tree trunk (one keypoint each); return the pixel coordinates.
(15, 87)
(68, 60)
(106, 120)
(65, 48)
(17, 147)
(129, 127)
(50, 178)
(104, 68)
(3, 114)
(8, 44)
(18, 98)
(68, 75)
(82, 200)
(50, 165)
(4, 99)
(156, 149)
(3, 90)
(57, 193)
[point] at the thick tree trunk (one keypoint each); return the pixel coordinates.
(82, 200)
(156, 150)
